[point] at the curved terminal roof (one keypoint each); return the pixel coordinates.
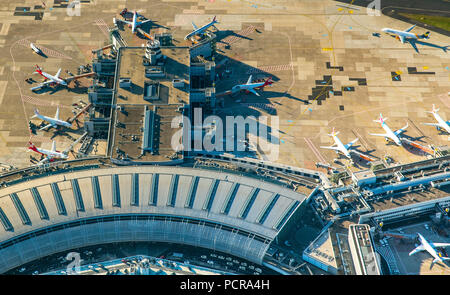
(221, 211)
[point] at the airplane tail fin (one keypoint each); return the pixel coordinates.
(31, 146)
(333, 133)
(268, 82)
(38, 70)
(380, 119)
(435, 109)
(426, 35)
(36, 114)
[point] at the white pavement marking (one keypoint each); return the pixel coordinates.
(315, 150)
(270, 69)
(2, 90)
(40, 102)
(102, 26)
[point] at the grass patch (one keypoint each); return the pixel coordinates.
(441, 22)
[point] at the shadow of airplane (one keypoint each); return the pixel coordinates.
(413, 43)
(418, 138)
(221, 35)
(153, 24)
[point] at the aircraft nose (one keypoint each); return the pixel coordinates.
(384, 30)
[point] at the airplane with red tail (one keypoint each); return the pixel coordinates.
(250, 87)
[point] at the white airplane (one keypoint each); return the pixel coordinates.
(339, 146)
(250, 87)
(49, 79)
(394, 136)
(134, 24)
(53, 122)
(35, 49)
(440, 122)
(431, 248)
(50, 155)
(201, 30)
(405, 35)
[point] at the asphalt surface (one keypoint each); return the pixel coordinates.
(392, 8)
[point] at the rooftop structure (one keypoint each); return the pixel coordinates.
(143, 133)
(151, 86)
(141, 265)
(220, 211)
(365, 260)
(321, 254)
(134, 66)
(404, 212)
(367, 190)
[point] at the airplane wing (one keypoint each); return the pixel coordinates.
(41, 85)
(409, 29)
(195, 27)
(125, 21)
(46, 159)
(432, 124)
(418, 249)
(348, 145)
(330, 147)
(253, 91)
(47, 126)
(441, 244)
(379, 134)
(249, 80)
(58, 73)
(401, 130)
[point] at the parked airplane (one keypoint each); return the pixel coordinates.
(50, 155)
(394, 136)
(35, 49)
(134, 23)
(49, 79)
(250, 87)
(431, 248)
(404, 36)
(338, 146)
(440, 122)
(201, 30)
(346, 150)
(53, 122)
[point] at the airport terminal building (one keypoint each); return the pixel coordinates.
(227, 212)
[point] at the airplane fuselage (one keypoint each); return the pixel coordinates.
(53, 78)
(35, 49)
(54, 121)
(199, 30)
(430, 249)
(134, 24)
(49, 154)
(442, 123)
(341, 147)
(248, 86)
(391, 135)
(401, 33)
